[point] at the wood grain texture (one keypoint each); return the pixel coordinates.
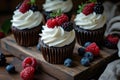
(77, 72)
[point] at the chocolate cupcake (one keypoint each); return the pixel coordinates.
(90, 24)
(26, 24)
(57, 40)
(66, 6)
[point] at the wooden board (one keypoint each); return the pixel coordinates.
(77, 72)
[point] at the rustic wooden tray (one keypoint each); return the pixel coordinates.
(77, 72)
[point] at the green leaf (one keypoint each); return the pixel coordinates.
(56, 13)
(80, 8)
(5, 28)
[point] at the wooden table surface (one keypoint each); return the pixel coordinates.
(4, 75)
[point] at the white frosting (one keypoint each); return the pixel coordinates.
(56, 36)
(91, 22)
(27, 20)
(53, 5)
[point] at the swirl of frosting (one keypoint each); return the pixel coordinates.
(56, 36)
(53, 5)
(91, 22)
(27, 20)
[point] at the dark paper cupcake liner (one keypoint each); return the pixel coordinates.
(57, 55)
(26, 37)
(84, 36)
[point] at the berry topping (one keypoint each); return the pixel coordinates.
(87, 44)
(89, 55)
(2, 35)
(34, 8)
(68, 62)
(51, 23)
(88, 8)
(112, 39)
(93, 48)
(62, 19)
(29, 61)
(24, 6)
(67, 26)
(81, 51)
(10, 68)
(98, 9)
(27, 73)
(85, 61)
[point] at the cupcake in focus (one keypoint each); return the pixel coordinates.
(90, 23)
(26, 23)
(57, 39)
(50, 6)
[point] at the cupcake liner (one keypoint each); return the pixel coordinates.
(56, 55)
(84, 36)
(26, 37)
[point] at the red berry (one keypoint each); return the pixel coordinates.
(51, 23)
(88, 8)
(62, 19)
(93, 48)
(24, 6)
(113, 39)
(29, 61)
(2, 35)
(27, 73)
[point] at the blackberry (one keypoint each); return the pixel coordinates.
(81, 51)
(98, 8)
(67, 26)
(34, 8)
(2, 59)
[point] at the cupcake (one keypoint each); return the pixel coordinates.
(50, 6)
(27, 23)
(90, 23)
(57, 39)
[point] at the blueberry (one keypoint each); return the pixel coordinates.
(34, 8)
(10, 68)
(68, 62)
(89, 55)
(87, 44)
(38, 46)
(85, 61)
(81, 51)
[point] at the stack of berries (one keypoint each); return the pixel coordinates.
(89, 51)
(91, 7)
(29, 64)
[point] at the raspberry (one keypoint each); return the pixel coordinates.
(112, 39)
(29, 61)
(67, 26)
(88, 8)
(51, 23)
(27, 73)
(24, 6)
(93, 48)
(2, 35)
(62, 19)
